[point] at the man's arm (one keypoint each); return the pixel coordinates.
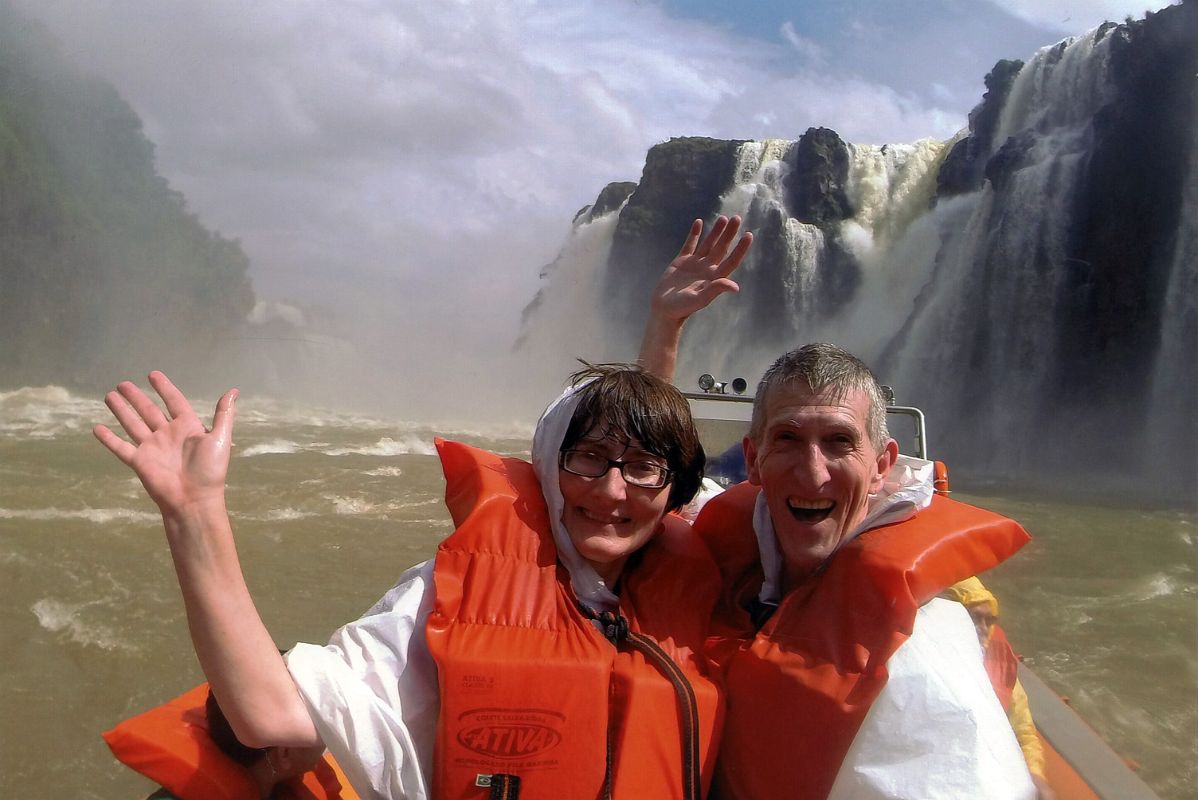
(696, 276)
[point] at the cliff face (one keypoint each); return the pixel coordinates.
(1026, 286)
(685, 179)
(964, 168)
(682, 181)
(102, 268)
(815, 183)
(1129, 201)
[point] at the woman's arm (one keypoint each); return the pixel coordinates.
(183, 467)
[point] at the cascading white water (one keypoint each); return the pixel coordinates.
(1005, 264)
(715, 340)
(892, 236)
(1052, 93)
(1173, 399)
(570, 322)
(889, 187)
(960, 303)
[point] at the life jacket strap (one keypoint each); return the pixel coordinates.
(616, 630)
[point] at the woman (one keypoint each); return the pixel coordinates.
(552, 644)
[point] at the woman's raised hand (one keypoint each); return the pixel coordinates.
(699, 273)
(181, 463)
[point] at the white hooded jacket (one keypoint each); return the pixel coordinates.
(372, 690)
(937, 730)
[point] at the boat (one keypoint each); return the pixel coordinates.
(1079, 764)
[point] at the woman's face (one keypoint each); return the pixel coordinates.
(607, 518)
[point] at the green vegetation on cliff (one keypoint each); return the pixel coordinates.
(102, 268)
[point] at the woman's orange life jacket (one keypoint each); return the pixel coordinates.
(169, 744)
(529, 686)
(800, 686)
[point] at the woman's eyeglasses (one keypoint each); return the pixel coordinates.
(645, 474)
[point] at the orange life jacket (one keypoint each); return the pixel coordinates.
(800, 687)
(1002, 665)
(531, 691)
(169, 744)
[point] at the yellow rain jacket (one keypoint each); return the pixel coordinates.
(983, 607)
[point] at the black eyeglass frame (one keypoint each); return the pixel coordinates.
(667, 474)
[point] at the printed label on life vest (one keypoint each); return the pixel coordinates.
(510, 733)
(478, 683)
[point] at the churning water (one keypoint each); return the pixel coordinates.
(330, 508)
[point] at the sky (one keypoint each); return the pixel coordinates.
(402, 170)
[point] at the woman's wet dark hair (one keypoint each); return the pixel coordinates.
(625, 402)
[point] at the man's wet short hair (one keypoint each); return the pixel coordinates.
(825, 369)
(626, 402)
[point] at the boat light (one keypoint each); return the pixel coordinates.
(710, 385)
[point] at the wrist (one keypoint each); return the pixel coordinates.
(197, 514)
(664, 331)
(664, 320)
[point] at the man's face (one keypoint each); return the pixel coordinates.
(816, 466)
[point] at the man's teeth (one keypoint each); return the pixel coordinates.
(812, 505)
(811, 510)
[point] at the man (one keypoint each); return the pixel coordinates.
(845, 677)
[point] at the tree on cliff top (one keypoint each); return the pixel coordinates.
(103, 271)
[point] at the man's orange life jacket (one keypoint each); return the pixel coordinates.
(532, 694)
(800, 686)
(169, 744)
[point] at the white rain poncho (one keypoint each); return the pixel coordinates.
(936, 731)
(372, 691)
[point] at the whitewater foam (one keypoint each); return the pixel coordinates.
(60, 617)
(99, 516)
(384, 472)
(386, 446)
(273, 447)
(45, 412)
(351, 506)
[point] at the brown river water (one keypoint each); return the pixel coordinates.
(330, 508)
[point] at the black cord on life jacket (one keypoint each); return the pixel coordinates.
(505, 787)
(760, 612)
(615, 629)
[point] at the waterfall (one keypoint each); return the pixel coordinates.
(1175, 374)
(991, 314)
(1046, 320)
(890, 186)
(570, 322)
(1061, 87)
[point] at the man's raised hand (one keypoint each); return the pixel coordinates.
(696, 277)
(699, 273)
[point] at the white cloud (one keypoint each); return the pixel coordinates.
(431, 155)
(1073, 16)
(861, 112)
(807, 48)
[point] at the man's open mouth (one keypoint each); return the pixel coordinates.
(811, 511)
